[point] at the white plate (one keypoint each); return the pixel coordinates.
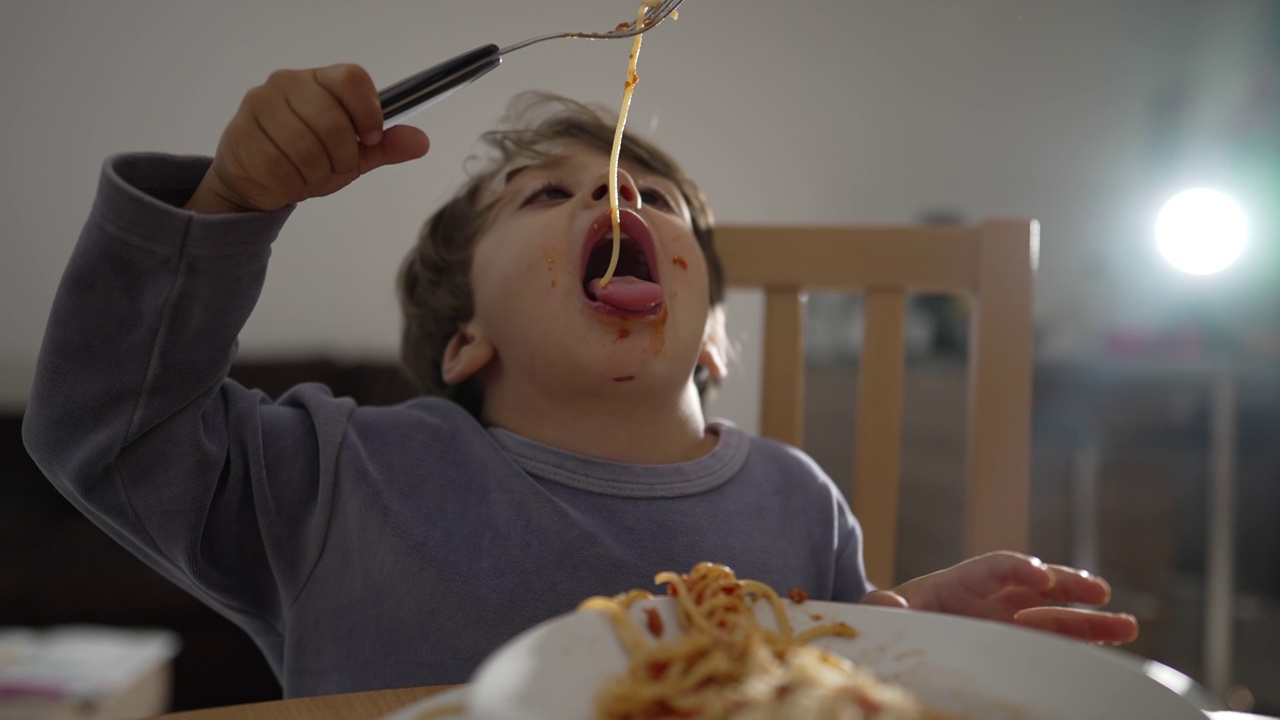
(454, 696)
(974, 668)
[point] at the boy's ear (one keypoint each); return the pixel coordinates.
(466, 354)
(715, 341)
(712, 358)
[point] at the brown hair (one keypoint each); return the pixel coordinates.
(435, 278)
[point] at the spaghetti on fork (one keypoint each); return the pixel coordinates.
(628, 91)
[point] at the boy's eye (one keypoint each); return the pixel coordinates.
(550, 192)
(656, 198)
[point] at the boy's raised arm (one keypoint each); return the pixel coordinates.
(131, 415)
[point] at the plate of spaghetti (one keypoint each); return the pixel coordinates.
(713, 646)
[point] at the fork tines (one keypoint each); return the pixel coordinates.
(652, 16)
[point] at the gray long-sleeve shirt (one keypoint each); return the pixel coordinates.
(362, 547)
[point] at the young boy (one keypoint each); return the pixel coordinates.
(369, 548)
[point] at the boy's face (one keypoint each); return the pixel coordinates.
(542, 318)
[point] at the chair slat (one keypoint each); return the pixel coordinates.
(998, 497)
(816, 258)
(993, 263)
(877, 445)
(782, 401)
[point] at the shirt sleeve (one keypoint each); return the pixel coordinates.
(131, 414)
(851, 581)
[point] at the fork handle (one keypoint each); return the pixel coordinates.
(418, 92)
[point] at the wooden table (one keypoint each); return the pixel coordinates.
(350, 706)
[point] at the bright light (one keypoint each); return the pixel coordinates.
(1200, 231)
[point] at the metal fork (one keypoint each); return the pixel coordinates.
(418, 92)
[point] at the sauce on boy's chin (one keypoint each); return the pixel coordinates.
(641, 335)
(657, 349)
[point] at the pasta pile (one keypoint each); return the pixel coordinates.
(725, 665)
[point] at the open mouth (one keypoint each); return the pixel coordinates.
(635, 288)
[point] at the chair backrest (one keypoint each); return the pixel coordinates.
(993, 263)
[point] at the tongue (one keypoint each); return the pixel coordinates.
(627, 293)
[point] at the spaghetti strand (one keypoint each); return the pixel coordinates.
(629, 89)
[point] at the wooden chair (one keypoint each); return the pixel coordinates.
(993, 262)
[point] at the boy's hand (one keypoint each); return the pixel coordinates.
(302, 134)
(1013, 588)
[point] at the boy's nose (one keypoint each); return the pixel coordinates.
(627, 193)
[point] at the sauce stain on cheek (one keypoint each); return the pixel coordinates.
(552, 263)
(658, 334)
(680, 262)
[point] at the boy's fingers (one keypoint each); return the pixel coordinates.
(1078, 586)
(328, 120)
(282, 126)
(351, 86)
(885, 598)
(1087, 625)
(249, 165)
(399, 144)
(988, 574)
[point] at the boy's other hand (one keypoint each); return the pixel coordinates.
(302, 134)
(1019, 589)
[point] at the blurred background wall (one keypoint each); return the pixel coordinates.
(1085, 115)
